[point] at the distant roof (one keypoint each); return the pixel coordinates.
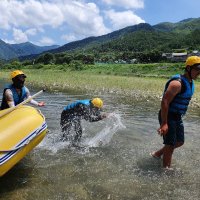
(179, 54)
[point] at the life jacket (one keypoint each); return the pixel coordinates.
(181, 101)
(16, 97)
(74, 104)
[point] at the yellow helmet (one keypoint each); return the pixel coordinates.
(192, 60)
(97, 102)
(15, 73)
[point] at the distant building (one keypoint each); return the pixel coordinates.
(195, 53)
(179, 57)
(175, 57)
(167, 55)
(134, 60)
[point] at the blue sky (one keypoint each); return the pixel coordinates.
(48, 22)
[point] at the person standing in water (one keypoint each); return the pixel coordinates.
(88, 109)
(16, 92)
(177, 95)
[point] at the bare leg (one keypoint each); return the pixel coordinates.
(167, 155)
(167, 152)
(160, 152)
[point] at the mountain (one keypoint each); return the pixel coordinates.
(138, 38)
(28, 48)
(6, 51)
(184, 27)
(11, 51)
(102, 39)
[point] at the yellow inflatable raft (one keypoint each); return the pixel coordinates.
(20, 131)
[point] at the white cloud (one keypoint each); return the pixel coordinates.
(126, 3)
(73, 19)
(69, 38)
(83, 17)
(31, 31)
(122, 19)
(19, 36)
(4, 15)
(46, 41)
(30, 13)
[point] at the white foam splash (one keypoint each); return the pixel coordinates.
(53, 143)
(113, 124)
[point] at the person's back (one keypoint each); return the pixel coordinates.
(77, 108)
(82, 109)
(181, 101)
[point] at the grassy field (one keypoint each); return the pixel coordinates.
(138, 81)
(83, 81)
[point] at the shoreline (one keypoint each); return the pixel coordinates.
(56, 80)
(139, 88)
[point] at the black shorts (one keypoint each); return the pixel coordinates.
(175, 129)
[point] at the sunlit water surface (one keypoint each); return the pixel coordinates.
(113, 160)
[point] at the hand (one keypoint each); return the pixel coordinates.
(107, 115)
(40, 104)
(104, 115)
(163, 129)
(110, 114)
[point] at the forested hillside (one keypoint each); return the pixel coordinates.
(141, 37)
(143, 42)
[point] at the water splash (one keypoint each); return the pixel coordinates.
(53, 142)
(113, 124)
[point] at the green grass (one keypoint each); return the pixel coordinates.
(138, 81)
(141, 70)
(83, 81)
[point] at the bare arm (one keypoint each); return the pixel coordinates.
(9, 98)
(33, 101)
(173, 89)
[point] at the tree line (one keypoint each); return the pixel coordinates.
(138, 47)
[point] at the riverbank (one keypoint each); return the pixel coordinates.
(91, 80)
(58, 80)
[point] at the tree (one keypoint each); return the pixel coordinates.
(48, 58)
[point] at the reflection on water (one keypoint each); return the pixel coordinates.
(112, 161)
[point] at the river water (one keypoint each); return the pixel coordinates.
(113, 160)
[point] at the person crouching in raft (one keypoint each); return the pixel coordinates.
(16, 92)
